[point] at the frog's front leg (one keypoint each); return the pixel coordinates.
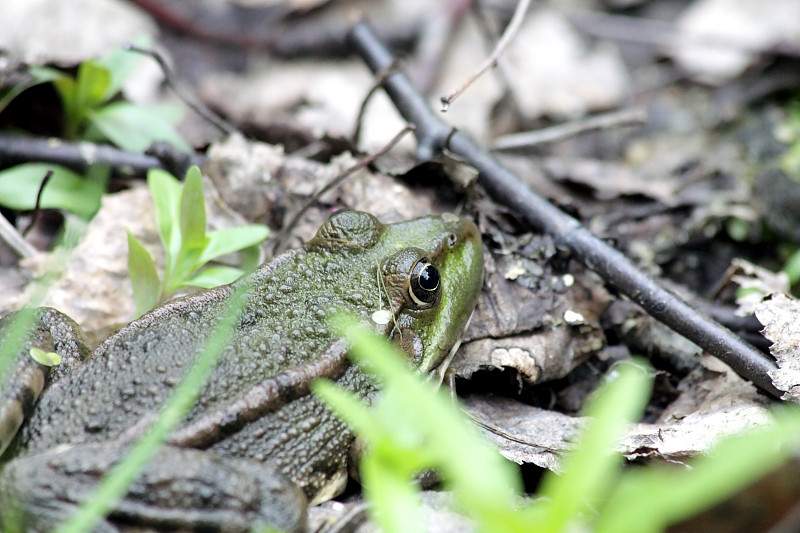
(24, 379)
(179, 489)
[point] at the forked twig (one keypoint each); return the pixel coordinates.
(193, 103)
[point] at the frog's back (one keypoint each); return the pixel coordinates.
(132, 372)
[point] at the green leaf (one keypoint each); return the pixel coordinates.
(135, 127)
(166, 192)
(73, 114)
(395, 500)
(250, 258)
(92, 83)
(120, 64)
(19, 186)
(226, 241)
(214, 276)
(193, 212)
(792, 267)
(45, 358)
(143, 274)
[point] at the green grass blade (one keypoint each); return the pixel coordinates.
(485, 484)
(652, 498)
(115, 484)
(395, 500)
(592, 469)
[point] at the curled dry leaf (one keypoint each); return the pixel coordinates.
(713, 404)
(779, 314)
(526, 317)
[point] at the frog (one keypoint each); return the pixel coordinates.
(256, 447)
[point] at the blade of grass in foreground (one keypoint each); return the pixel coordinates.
(115, 483)
(412, 428)
(648, 499)
(593, 468)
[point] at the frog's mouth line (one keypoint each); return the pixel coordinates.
(437, 374)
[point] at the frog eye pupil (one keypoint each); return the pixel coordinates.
(424, 283)
(429, 278)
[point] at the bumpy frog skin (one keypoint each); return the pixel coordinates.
(427, 272)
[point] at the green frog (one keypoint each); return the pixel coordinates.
(256, 445)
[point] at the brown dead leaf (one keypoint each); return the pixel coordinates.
(533, 319)
(779, 314)
(713, 405)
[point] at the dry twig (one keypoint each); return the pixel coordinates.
(559, 132)
(502, 44)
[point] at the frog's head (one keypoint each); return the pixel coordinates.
(431, 274)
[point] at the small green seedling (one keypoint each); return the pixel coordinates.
(94, 112)
(414, 428)
(181, 221)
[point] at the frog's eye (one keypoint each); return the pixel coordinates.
(424, 283)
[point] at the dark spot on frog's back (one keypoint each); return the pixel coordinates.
(325, 466)
(351, 229)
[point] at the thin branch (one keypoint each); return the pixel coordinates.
(505, 187)
(10, 235)
(560, 132)
(280, 240)
(38, 207)
(16, 149)
(363, 109)
(502, 44)
(189, 99)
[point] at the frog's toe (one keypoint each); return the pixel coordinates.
(178, 489)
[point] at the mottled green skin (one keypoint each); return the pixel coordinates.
(129, 375)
